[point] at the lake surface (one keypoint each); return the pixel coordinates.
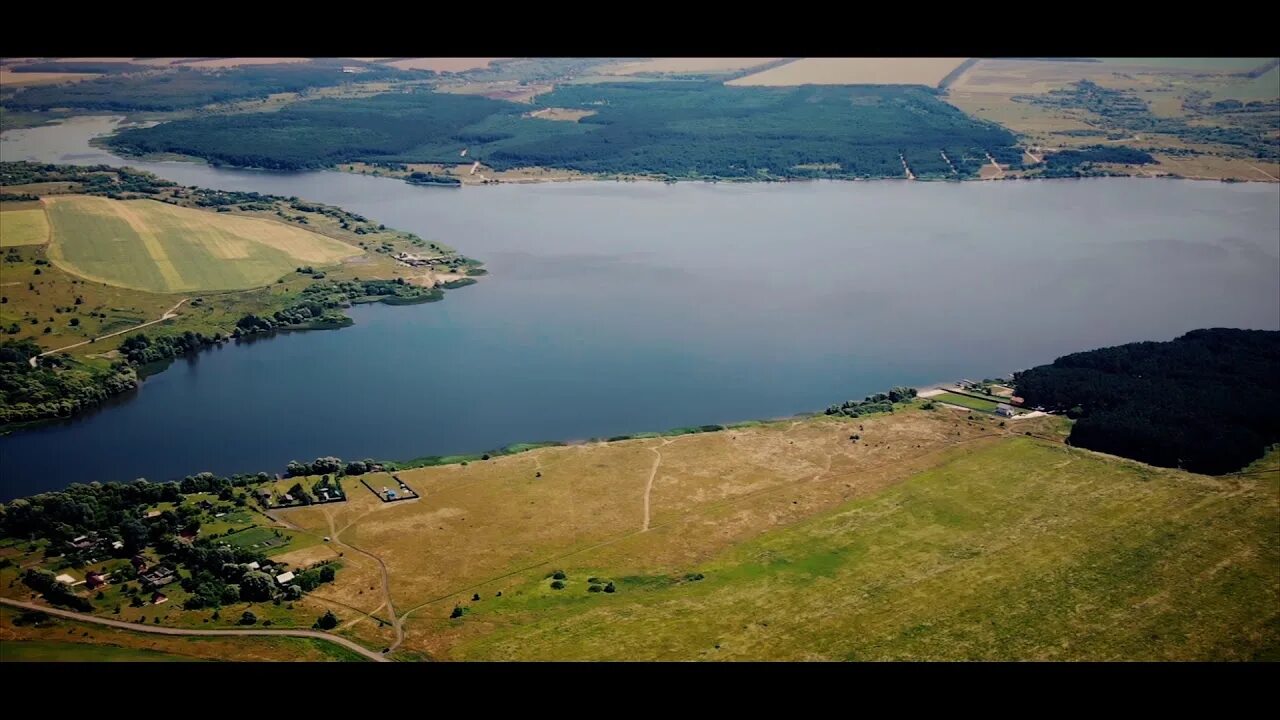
(614, 308)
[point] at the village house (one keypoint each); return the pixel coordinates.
(139, 563)
(159, 576)
(1004, 410)
(283, 578)
(158, 598)
(94, 580)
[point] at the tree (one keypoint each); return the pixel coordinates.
(327, 574)
(256, 586)
(248, 618)
(609, 588)
(230, 594)
(557, 584)
(328, 621)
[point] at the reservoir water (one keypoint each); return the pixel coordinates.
(614, 308)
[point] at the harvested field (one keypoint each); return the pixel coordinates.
(157, 247)
(684, 66)
(855, 71)
(8, 78)
(25, 226)
(443, 64)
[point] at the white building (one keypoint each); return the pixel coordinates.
(283, 578)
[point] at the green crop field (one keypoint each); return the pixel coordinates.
(1021, 550)
(162, 248)
(966, 401)
(25, 226)
(54, 651)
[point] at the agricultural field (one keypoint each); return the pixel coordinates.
(162, 248)
(23, 223)
(684, 66)
(787, 540)
(965, 401)
(854, 71)
(11, 79)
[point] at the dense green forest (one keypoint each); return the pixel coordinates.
(1205, 402)
(679, 128)
(56, 386)
(184, 88)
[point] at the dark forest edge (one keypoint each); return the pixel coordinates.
(1204, 402)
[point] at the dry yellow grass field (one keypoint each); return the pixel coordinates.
(684, 65)
(8, 78)
(855, 71)
(648, 505)
(443, 64)
(164, 248)
(23, 226)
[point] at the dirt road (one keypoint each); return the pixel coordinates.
(138, 627)
(169, 314)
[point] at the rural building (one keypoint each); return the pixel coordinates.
(94, 580)
(117, 545)
(1004, 410)
(65, 578)
(153, 515)
(253, 565)
(158, 576)
(1016, 400)
(157, 598)
(283, 578)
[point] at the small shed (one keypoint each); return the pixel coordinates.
(1004, 410)
(283, 578)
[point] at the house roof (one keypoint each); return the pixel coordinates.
(254, 565)
(65, 578)
(283, 578)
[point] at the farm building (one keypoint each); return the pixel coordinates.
(65, 578)
(158, 576)
(94, 580)
(1004, 410)
(283, 578)
(158, 598)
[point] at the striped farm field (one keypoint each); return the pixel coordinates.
(25, 226)
(855, 71)
(157, 247)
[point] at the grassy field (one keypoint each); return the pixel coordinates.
(162, 248)
(966, 401)
(931, 537)
(56, 651)
(855, 71)
(1020, 550)
(452, 65)
(23, 225)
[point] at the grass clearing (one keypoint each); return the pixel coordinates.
(855, 71)
(965, 401)
(162, 248)
(23, 226)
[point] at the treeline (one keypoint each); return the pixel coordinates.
(56, 387)
(1205, 402)
(321, 304)
(877, 403)
(142, 349)
(98, 67)
(184, 87)
(1070, 160)
(426, 178)
(677, 128)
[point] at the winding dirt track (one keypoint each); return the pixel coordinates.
(169, 314)
(136, 627)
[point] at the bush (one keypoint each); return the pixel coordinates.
(458, 611)
(328, 621)
(557, 584)
(558, 575)
(610, 588)
(248, 618)
(594, 588)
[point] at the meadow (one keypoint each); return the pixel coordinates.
(23, 225)
(932, 536)
(162, 248)
(965, 401)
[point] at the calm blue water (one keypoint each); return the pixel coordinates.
(613, 308)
